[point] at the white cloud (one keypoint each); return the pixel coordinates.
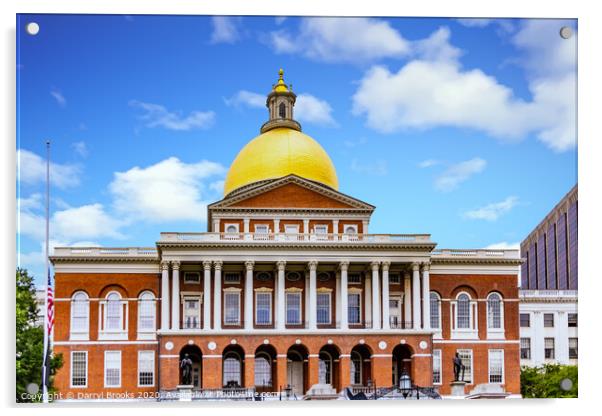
(87, 221)
(474, 22)
(428, 163)
(59, 97)
(31, 169)
(492, 212)
(504, 245)
(376, 168)
(437, 47)
(331, 39)
(225, 29)
(32, 202)
(313, 110)
(280, 19)
(246, 98)
(170, 190)
(458, 173)
(80, 148)
(158, 116)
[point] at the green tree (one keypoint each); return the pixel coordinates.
(547, 381)
(29, 339)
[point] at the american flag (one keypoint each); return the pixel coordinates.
(49, 306)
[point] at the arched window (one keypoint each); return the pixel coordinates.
(435, 307)
(231, 228)
(494, 311)
(282, 110)
(232, 370)
(146, 312)
(463, 320)
(113, 313)
(263, 370)
(80, 316)
(356, 368)
(325, 368)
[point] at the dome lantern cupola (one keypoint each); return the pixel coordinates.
(280, 103)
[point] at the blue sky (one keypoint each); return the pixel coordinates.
(464, 129)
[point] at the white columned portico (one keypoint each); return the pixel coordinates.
(344, 266)
(207, 294)
(175, 295)
(249, 295)
(385, 302)
(217, 295)
(407, 299)
(416, 295)
(375, 295)
(280, 319)
(426, 297)
(164, 295)
(313, 266)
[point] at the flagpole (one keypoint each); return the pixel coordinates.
(46, 322)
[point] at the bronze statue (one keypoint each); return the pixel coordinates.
(186, 367)
(457, 367)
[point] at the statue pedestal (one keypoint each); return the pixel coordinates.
(185, 393)
(458, 388)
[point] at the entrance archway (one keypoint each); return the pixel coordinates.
(402, 362)
(328, 366)
(195, 354)
(233, 370)
(265, 368)
(296, 368)
(361, 368)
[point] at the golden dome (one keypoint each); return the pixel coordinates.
(277, 153)
(280, 86)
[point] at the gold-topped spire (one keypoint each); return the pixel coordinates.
(280, 86)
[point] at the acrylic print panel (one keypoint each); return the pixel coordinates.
(427, 149)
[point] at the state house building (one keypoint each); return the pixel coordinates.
(287, 289)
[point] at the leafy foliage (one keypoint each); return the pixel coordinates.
(29, 339)
(545, 381)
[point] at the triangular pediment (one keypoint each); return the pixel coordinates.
(291, 192)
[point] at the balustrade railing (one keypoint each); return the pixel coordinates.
(297, 237)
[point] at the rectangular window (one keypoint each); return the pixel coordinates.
(232, 308)
(146, 315)
(496, 366)
(79, 369)
(548, 320)
(261, 228)
(549, 348)
(79, 316)
(291, 228)
(525, 320)
(112, 368)
(192, 313)
(293, 308)
(192, 277)
(525, 348)
(354, 279)
(232, 277)
(323, 301)
(146, 368)
(573, 353)
(263, 308)
(572, 317)
(394, 312)
(436, 366)
(466, 357)
(394, 279)
(321, 229)
(354, 308)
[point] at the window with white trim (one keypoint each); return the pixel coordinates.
(549, 348)
(231, 277)
(146, 368)
(356, 368)
(291, 228)
(263, 308)
(79, 368)
(192, 312)
(192, 277)
(496, 366)
(350, 229)
(232, 227)
(573, 348)
(548, 320)
(321, 229)
(232, 369)
(293, 308)
(323, 308)
(80, 316)
(463, 311)
(113, 310)
(232, 308)
(394, 279)
(263, 370)
(261, 228)
(525, 320)
(354, 278)
(436, 366)
(112, 368)
(572, 320)
(494, 311)
(146, 312)
(525, 348)
(435, 309)
(466, 357)
(354, 304)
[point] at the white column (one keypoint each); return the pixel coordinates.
(335, 226)
(537, 342)
(416, 295)
(385, 301)
(561, 344)
(375, 295)
(306, 226)
(407, 298)
(337, 298)
(365, 227)
(249, 295)
(216, 226)
(217, 295)
(207, 294)
(344, 266)
(280, 319)
(276, 226)
(313, 266)
(164, 295)
(175, 295)
(246, 222)
(426, 297)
